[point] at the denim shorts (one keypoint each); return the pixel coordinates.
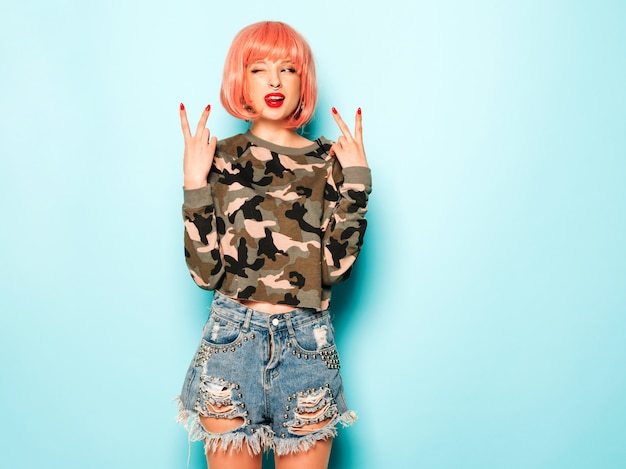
(275, 373)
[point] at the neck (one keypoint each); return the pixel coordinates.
(276, 133)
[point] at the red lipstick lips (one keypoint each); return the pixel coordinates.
(274, 99)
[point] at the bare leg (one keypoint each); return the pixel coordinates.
(233, 459)
(315, 458)
(229, 459)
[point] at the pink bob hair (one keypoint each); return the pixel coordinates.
(270, 40)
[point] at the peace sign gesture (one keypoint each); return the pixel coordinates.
(199, 150)
(348, 149)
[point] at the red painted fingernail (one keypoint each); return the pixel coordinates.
(358, 111)
(208, 107)
(334, 110)
(182, 107)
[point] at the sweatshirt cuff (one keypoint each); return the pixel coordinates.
(197, 198)
(358, 175)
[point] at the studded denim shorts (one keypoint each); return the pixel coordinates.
(276, 373)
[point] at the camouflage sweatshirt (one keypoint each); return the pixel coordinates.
(275, 224)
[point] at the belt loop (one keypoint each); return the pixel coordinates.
(246, 323)
(292, 333)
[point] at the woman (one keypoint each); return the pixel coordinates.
(272, 221)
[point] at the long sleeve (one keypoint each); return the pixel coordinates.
(344, 221)
(202, 248)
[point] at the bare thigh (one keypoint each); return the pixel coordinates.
(229, 459)
(315, 458)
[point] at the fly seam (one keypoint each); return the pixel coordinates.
(287, 317)
(246, 323)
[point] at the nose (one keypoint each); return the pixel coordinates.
(275, 81)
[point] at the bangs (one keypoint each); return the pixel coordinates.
(275, 41)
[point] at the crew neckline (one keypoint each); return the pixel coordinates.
(288, 151)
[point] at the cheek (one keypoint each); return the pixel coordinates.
(253, 87)
(295, 89)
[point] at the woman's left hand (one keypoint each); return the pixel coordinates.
(348, 149)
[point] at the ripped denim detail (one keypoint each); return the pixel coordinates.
(311, 407)
(215, 399)
(221, 399)
(321, 336)
(255, 440)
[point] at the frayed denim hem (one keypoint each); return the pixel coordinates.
(304, 443)
(256, 440)
(259, 439)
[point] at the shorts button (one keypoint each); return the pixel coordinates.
(275, 321)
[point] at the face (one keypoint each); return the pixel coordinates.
(274, 88)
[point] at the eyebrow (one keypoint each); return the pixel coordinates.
(281, 62)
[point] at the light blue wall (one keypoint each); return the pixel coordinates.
(485, 324)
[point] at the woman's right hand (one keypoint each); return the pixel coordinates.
(199, 150)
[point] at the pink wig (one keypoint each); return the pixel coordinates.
(273, 41)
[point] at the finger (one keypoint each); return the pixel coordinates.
(358, 126)
(333, 150)
(184, 124)
(203, 119)
(206, 135)
(212, 144)
(342, 142)
(342, 125)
